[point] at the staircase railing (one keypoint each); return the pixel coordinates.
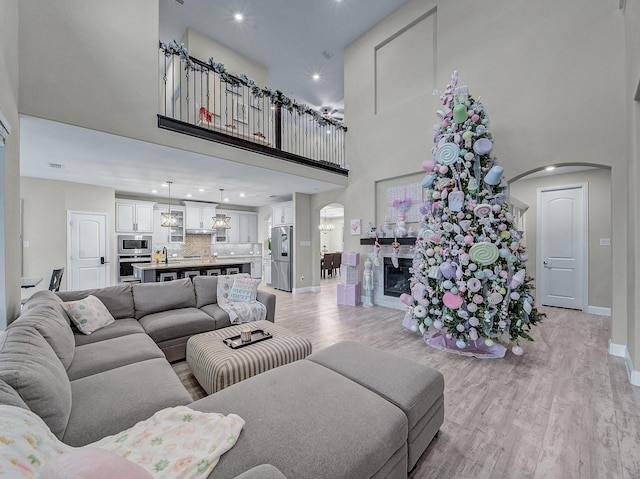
(234, 110)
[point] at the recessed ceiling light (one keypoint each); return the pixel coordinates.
(316, 77)
(242, 195)
(188, 195)
(226, 200)
(238, 17)
(164, 185)
(550, 168)
(154, 191)
(201, 190)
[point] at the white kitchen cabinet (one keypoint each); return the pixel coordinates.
(244, 228)
(266, 271)
(134, 216)
(233, 233)
(162, 234)
(282, 214)
(199, 216)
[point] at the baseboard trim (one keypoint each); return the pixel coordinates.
(308, 289)
(599, 310)
(621, 350)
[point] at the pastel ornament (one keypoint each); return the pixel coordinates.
(518, 278)
(488, 342)
(466, 135)
(472, 186)
(517, 350)
(410, 322)
(447, 284)
(447, 270)
(460, 328)
(460, 343)
(447, 153)
(405, 299)
(484, 253)
(474, 285)
(483, 146)
(460, 114)
(473, 321)
(452, 301)
(482, 210)
(494, 175)
(419, 311)
(427, 165)
(473, 334)
(422, 328)
(437, 324)
(472, 308)
(456, 201)
(526, 305)
(428, 180)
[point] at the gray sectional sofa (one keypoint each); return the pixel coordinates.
(345, 412)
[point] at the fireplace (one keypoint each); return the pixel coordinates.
(397, 280)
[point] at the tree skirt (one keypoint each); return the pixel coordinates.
(476, 349)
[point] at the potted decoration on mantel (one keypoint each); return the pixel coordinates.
(469, 290)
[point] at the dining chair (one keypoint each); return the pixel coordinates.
(56, 280)
(327, 264)
(337, 261)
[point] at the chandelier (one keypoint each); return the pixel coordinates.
(169, 219)
(220, 220)
(325, 227)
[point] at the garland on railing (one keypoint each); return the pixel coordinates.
(175, 48)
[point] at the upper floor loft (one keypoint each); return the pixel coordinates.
(202, 99)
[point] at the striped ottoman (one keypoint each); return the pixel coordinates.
(217, 366)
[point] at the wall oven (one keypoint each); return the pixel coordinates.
(135, 244)
(125, 266)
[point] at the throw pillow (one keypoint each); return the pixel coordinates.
(88, 314)
(92, 463)
(244, 290)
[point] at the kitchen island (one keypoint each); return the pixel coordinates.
(155, 272)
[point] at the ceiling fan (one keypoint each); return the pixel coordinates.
(333, 113)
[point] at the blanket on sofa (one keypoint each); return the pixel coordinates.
(237, 297)
(175, 442)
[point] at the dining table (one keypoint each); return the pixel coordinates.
(30, 282)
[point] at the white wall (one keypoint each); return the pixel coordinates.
(10, 166)
(46, 203)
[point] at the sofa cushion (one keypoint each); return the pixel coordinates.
(354, 431)
(206, 289)
(176, 323)
(263, 471)
(50, 320)
(112, 353)
(219, 315)
(109, 402)
(121, 327)
(152, 298)
(30, 366)
(88, 314)
(9, 396)
(118, 299)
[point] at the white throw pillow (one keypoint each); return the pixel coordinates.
(244, 290)
(88, 314)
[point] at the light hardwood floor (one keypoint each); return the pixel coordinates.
(565, 409)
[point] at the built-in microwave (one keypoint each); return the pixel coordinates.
(134, 244)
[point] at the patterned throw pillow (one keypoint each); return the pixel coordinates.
(244, 290)
(88, 314)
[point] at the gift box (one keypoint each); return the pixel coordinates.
(349, 274)
(349, 294)
(350, 258)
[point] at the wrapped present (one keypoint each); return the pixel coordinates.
(350, 258)
(349, 274)
(349, 294)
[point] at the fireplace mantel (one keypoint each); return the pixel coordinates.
(367, 241)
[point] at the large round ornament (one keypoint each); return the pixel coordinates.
(447, 153)
(484, 253)
(482, 210)
(482, 146)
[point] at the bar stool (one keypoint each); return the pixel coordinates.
(168, 276)
(214, 272)
(232, 271)
(190, 274)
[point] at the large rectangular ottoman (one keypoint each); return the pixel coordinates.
(217, 366)
(416, 389)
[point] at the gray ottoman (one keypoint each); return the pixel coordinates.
(416, 389)
(217, 366)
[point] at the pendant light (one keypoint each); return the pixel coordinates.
(169, 219)
(325, 227)
(220, 220)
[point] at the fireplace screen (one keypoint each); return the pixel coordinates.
(397, 280)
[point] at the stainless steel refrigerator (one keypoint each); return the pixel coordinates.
(282, 257)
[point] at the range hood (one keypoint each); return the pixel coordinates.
(201, 231)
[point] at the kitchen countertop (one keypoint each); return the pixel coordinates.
(175, 264)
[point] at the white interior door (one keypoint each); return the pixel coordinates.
(562, 246)
(88, 245)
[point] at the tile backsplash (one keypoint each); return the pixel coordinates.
(195, 244)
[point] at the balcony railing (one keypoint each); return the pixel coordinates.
(202, 99)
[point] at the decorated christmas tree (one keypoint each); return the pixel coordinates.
(469, 289)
